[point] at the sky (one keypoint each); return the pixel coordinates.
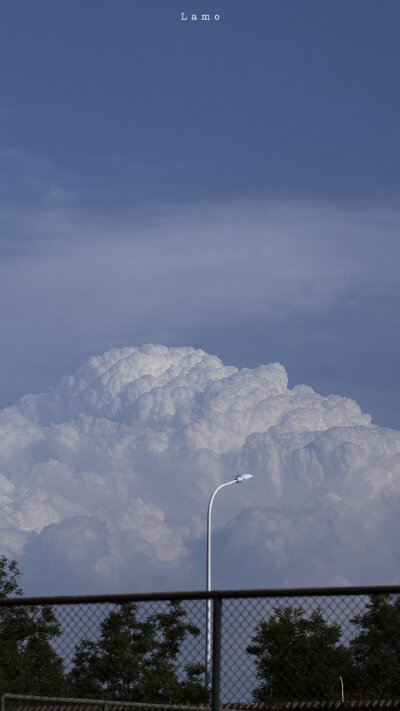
(230, 187)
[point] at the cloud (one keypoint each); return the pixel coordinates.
(105, 479)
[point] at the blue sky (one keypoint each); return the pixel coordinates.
(231, 185)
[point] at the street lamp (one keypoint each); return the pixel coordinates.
(239, 479)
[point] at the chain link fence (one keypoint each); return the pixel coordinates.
(269, 648)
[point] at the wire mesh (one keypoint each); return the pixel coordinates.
(138, 650)
(310, 648)
(277, 648)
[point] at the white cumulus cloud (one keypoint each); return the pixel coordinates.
(105, 479)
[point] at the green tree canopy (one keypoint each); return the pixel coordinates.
(376, 648)
(9, 575)
(28, 662)
(298, 658)
(135, 659)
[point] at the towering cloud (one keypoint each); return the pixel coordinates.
(105, 480)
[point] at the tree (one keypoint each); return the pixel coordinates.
(28, 662)
(376, 648)
(9, 575)
(298, 658)
(135, 659)
(161, 678)
(44, 668)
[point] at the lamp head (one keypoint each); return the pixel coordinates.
(243, 477)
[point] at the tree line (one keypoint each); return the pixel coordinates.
(132, 659)
(299, 657)
(136, 658)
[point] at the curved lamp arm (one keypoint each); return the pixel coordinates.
(239, 479)
(234, 481)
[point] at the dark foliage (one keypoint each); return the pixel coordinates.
(28, 662)
(376, 648)
(135, 659)
(298, 658)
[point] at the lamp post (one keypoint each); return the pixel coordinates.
(239, 479)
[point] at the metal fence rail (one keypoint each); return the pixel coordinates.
(272, 648)
(16, 702)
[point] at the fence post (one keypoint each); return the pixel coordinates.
(216, 660)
